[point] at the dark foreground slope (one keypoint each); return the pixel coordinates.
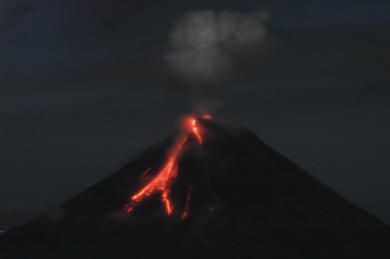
(247, 202)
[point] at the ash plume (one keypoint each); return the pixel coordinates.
(203, 44)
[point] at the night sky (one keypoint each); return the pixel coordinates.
(84, 88)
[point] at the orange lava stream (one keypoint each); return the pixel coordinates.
(195, 130)
(165, 177)
(186, 211)
(162, 181)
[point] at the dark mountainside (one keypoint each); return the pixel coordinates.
(247, 202)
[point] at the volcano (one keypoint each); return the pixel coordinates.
(208, 191)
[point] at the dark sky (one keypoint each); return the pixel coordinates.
(83, 89)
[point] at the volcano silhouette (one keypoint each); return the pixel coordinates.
(247, 201)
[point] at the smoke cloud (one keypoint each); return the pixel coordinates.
(203, 44)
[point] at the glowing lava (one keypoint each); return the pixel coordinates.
(195, 130)
(166, 176)
(206, 116)
(186, 210)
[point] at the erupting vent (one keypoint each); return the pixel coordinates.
(211, 191)
(165, 177)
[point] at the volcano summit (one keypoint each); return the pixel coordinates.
(208, 191)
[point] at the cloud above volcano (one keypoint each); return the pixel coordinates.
(203, 44)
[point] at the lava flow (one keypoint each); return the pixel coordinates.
(165, 177)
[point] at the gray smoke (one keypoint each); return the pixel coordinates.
(203, 44)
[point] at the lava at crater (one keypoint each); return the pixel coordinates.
(165, 177)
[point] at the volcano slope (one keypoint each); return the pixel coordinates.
(246, 201)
